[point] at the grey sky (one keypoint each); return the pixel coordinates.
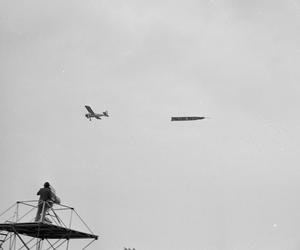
(138, 179)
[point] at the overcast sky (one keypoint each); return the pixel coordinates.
(139, 180)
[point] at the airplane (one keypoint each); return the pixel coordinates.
(92, 114)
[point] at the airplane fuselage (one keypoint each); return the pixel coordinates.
(95, 115)
(89, 116)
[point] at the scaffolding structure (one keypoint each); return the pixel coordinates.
(52, 230)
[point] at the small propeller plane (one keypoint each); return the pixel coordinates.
(92, 114)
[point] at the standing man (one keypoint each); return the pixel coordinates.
(45, 202)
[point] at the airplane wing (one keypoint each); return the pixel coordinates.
(89, 109)
(97, 117)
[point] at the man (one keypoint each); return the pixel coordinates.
(45, 202)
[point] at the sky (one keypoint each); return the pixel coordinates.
(139, 180)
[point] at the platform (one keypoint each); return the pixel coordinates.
(45, 231)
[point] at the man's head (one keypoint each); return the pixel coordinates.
(46, 185)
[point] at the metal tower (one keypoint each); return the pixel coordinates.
(53, 230)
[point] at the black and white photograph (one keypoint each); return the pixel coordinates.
(150, 125)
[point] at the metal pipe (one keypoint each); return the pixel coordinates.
(88, 244)
(8, 209)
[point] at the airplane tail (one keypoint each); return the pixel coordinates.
(105, 113)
